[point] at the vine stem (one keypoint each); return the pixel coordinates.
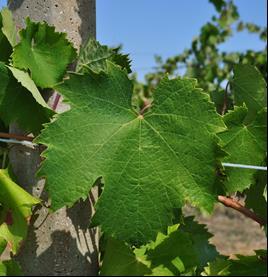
(56, 102)
(146, 106)
(14, 136)
(225, 101)
(231, 203)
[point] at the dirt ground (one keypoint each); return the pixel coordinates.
(233, 232)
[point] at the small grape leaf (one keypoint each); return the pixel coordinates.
(246, 144)
(219, 267)
(10, 268)
(93, 56)
(5, 46)
(44, 52)
(249, 87)
(240, 266)
(120, 260)
(177, 253)
(9, 28)
(17, 209)
(189, 243)
(255, 198)
(149, 163)
(21, 103)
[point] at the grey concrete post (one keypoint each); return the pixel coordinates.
(58, 244)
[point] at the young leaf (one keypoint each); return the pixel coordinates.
(120, 260)
(185, 249)
(150, 163)
(21, 103)
(246, 144)
(17, 209)
(93, 56)
(44, 52)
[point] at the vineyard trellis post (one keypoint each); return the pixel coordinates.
(60, 243)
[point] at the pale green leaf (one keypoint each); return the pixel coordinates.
(5, 46)
(17, 209)
(44, 52)
(18, 103)
(149, 163)
(9, 28)
(26, 81)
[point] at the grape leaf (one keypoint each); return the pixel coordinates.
(184, 250)
(255, 198)
(188, 244)
(241, 266)
(44, 52)
(219, 267)
(120, 260)
(10, 268)
(93, 56)
(150, 163)
(5, 46)
(16, 204)
(21, 104)
(9, 28)
(249, 87)
(246, 144)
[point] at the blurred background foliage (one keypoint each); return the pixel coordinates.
(204, 60)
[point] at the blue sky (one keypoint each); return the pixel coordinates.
(166, 27)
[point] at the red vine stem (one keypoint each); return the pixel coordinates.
(231, 203)
(14, 136)
(56, 102)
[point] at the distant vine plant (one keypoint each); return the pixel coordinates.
(151, 161)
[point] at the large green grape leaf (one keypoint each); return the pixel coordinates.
(10, 268)
(44, 52)
(249, 87)
(149, 163)
(20, 101)
(184, 250)
(246, 144)
(16, 211)
(93, 56)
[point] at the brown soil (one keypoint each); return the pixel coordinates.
(233, 232)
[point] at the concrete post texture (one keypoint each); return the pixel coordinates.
(60, 243)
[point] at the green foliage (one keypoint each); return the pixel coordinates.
(39, 50)
(245, 140)
(20, 100)
(204, 60)
(154, 151)
(10, 268)
(241, 266)
(93, 57)
(183, 250)
(154, 167)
